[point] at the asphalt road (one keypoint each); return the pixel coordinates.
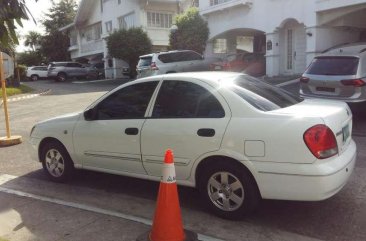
(341, 217)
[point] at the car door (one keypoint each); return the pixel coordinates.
(111, 139)
(189, 118)
(192, 61)
(43, 71)
(79, 70)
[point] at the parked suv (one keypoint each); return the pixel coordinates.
(36, 72)
(171, 62)
(60, 71)
(339, 73)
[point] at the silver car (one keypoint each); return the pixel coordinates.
(338, 74)
(61, 71)
(171, 62)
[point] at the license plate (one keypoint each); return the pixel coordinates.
(217, 67)
(345, 132)
(326, 89)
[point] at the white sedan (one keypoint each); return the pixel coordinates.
(234, 137)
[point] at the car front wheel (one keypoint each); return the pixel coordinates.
(34, 77)
(56, 162)
(228, 190)
(61, 77)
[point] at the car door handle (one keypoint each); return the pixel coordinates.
(206, 132)
(131, 131)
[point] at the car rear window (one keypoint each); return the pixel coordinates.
(144, 62)
(261, 95)
(334, 65)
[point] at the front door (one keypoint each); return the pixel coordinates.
(111, 141)
(188, 118)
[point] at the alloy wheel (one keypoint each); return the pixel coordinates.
(55, 163)
(225, 191)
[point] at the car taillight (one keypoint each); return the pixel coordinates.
(153, 66)
(226, 66)
(353, 82)
(321, 141)
(304, 79)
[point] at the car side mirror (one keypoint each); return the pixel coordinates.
(90, 114)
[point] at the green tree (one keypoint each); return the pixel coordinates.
(54, 44)
(30, 58)
(12, 12)
(129, 44)
(192, 32)
(32, 39)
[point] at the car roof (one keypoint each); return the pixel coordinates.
(208, 76)
(165, 52)
(354, 49)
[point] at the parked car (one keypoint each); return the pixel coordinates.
(35, 73)
(253, 64)
(338, 74)
(235, 138)
(61, 71)
(96, 69)
(171, 62)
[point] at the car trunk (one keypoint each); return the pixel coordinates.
(336, 115)
(326, 75)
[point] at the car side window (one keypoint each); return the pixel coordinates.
(181, 99)
(127, 103)
(193, 56)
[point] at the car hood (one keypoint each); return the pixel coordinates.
(71, 117)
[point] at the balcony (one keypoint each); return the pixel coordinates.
(92, 47)
(324, 5)
(226, 4)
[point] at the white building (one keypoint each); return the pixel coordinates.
(96, 19)
(289, 32)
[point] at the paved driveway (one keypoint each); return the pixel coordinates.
(341, 217)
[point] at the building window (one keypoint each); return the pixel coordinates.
(119, 1)
(108, 26)
(73, 38)
(93, 32)
(289, 49)
(127, 21)
(216, 2)
(220, 46)
(159, 20)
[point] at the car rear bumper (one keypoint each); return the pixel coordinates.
(312, 182)
(357, 98)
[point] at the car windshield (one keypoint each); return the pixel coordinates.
(333, 66)
(231, 57)
(261, 95)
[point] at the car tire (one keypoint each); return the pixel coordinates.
(228, 190)
(56, 162)
(34, 77)
(61, 77)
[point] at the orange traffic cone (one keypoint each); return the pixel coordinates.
(167, 224)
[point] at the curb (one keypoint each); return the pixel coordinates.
(28, 96)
